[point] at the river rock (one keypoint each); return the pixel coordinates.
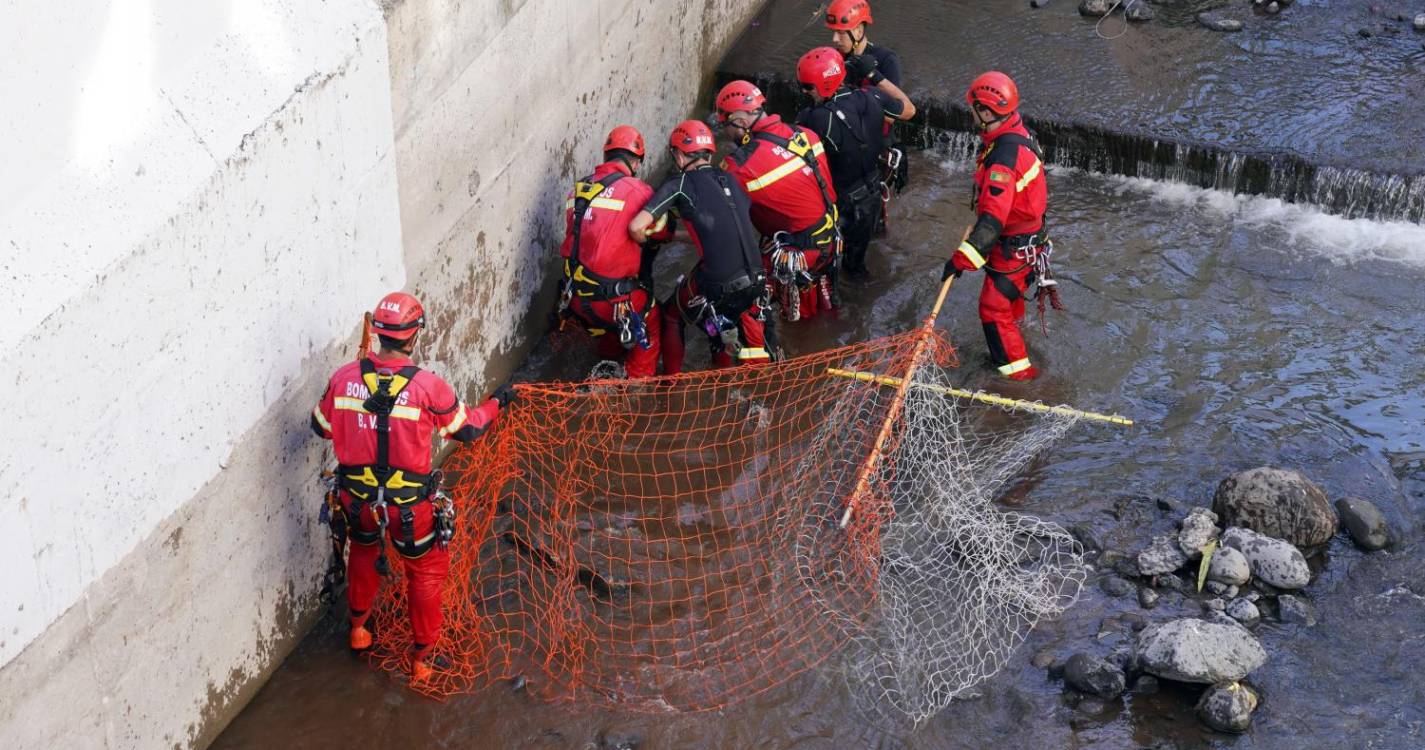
(1162, 556)
(1095, 676)
(1192, 650)
(1140, 13)
(1227, 707)
(1218, 22)
(1244, 612)
(1419, 22)
(1095, 8)
(1145, 685)
(1277, 502)
(1271, 560)
(1229, 567)
(1115, 587)
(1148, 598)
(1216, 605)
(1364, 522)
(1199, 528)
(1216, 588)
(1295, 611)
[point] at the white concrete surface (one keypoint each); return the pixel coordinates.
(198, 201)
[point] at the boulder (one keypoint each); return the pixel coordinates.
(1229, 567)
(1244, 612)
(1218, 22)
(1199, 528)
(1162, 556)
(1364, 522)
(1227, 707)
(1295, 611)
(1192, 650)
(1277, 502)
(1096, 8)
(1273, 561)
(1094, 676)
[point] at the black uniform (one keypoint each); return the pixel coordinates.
(715, 209)
(850, 125)
(888, 62)
(897, 177)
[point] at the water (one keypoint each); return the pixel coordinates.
(1237, 331)
(1297, 106)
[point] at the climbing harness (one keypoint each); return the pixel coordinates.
(632, 329)
(789, 268)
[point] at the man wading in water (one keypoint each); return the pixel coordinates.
(849, 121)
(1007, 239)
(379, 412)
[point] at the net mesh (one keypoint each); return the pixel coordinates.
(673, 544)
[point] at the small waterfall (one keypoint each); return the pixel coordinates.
(1346, 192)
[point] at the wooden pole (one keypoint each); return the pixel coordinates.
(864, 477)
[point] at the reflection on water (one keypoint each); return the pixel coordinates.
(1237, 332)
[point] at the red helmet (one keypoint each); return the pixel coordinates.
(398, 316)
(822, 69)
(627, 138)
(994, 90)
(692, 137)
(738, 96)
(845, 15)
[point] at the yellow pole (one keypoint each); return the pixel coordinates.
(988, 398)
(864, 477)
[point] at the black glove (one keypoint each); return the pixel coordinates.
(863, 66)
(950, 270)
(504, 394)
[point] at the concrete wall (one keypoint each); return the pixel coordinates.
(198, 201)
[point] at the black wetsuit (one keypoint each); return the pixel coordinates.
(850, 125)
(714, 207)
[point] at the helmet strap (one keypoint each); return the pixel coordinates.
(858, 44)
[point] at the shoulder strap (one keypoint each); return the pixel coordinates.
(862, 141)
(385, 389)
(751, 255)
(800, 145)
(585, 191)
(1015, 139)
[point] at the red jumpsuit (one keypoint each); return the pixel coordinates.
(606, 272)
(1011, 196)
(425, 405)
(788, 197)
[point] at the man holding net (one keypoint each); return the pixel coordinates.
(1007, 240)
(607, 278)
(784, 170)
(379, 412)
(726, 295)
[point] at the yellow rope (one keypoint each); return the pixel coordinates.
(988, 398)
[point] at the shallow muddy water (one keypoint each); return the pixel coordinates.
(1237, 331)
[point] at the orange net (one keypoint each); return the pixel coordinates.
(674, 542)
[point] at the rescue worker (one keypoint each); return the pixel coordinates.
(1008, 238)
(379, 412)
(725, 294)
(866, 63)
(848, 20)
(784, 170)
(607, 278)
(849, 122)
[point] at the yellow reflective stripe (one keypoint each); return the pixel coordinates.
(609, 203)
(321, 420)
(1027, 178)
(789, 166)
(817, 150)
(455, 424)
(748, 352)
(970, 252)
(412, 413)
(1019, 365)
(350, 404)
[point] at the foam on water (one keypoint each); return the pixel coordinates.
(1303, 228)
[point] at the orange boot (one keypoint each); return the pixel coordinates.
(360, 638)
(421, 669)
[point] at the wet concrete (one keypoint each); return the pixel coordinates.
(1237, 331)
